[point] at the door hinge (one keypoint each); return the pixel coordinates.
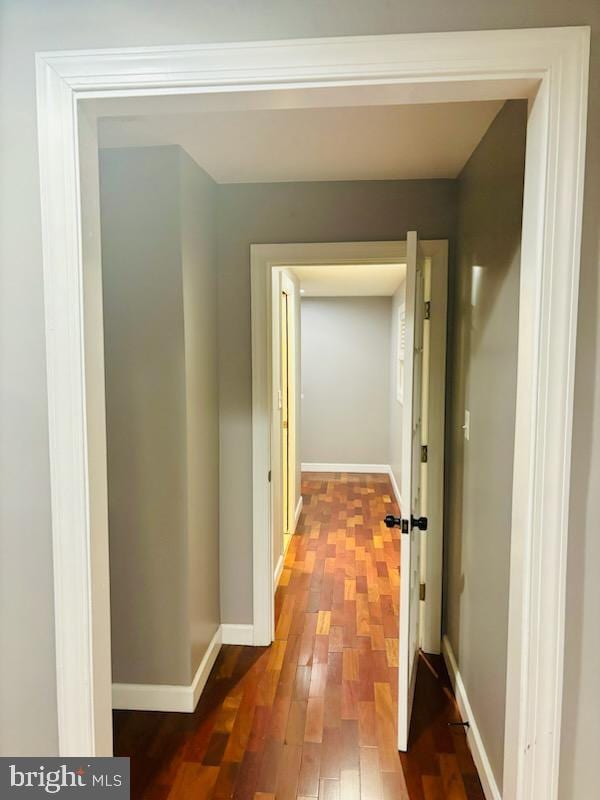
(428, 309)
(424, 454)
(269, 476)
(422, 591)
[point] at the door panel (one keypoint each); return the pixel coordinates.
(410, 571)
(286, 478)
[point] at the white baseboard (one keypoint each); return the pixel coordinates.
(378, 468)
(287, 540)
(396, 488)
(237, 634)
(298, 512)
(278, 570)
(159, 697)
(488, 782)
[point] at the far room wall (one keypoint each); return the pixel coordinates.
(345, 380)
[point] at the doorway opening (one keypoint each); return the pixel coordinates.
(410, 281)
(549, 69)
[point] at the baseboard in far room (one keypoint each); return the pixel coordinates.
(160, 697)
(484, 768)
(395, 488)
(373, 468)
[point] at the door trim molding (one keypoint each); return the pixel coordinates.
(264, 260)
(237, 634)
(549, 67)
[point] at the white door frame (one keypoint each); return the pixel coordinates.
(265, 260)
(547, 66)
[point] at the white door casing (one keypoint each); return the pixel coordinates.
(268, 267)
(550, 68)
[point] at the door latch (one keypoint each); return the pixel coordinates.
(399, 522)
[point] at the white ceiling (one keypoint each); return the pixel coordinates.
(349, 280)
(315, 144)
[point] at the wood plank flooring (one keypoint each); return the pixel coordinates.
(314, 715)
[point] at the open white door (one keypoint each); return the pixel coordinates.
(410, 569)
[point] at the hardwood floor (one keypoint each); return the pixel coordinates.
(313, 716)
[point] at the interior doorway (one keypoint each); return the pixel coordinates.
(418, 365)
(416, 68)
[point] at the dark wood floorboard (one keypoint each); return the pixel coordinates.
(314, 715)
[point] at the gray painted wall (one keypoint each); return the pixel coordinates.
(199, 272)
(159, 282)
(289, 212)
(27, 684)
(395, 406)
(145, 413)
(483, 367)
(345, 379)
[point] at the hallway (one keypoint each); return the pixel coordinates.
(313, 716)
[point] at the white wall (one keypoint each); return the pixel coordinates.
(345, 380)
(159, 277)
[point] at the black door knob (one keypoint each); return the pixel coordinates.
(397, 522)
